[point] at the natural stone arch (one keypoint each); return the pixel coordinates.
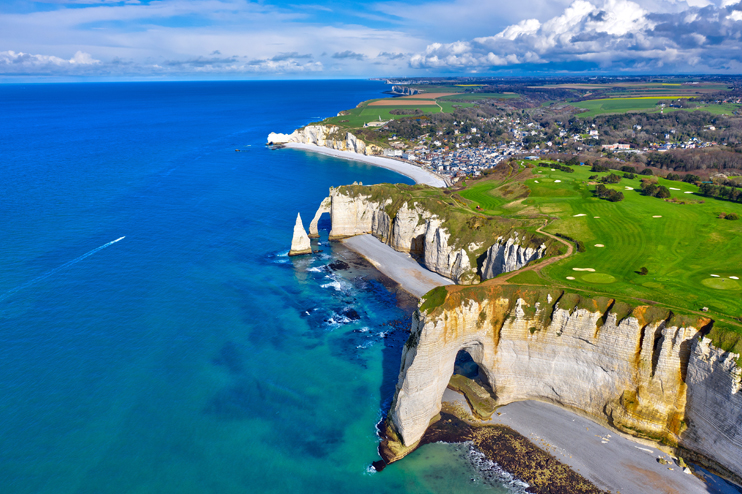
(324, 207)
(427, 367)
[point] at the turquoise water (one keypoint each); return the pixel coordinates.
(193, 355)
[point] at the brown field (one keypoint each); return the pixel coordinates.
(402, 102)
(428, 95)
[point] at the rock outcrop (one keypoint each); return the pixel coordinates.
(423, 234)
(329, 136)
(324, 207)
(641, 370)
(508, 255)
(300, 243)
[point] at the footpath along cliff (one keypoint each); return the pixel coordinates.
(417, 220)
(642, 370)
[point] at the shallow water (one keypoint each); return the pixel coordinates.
(192, 355)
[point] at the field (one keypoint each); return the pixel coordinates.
(691, 255)
(621, 105)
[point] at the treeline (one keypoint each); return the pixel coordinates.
(696, 159)
(721, 192)
(556, 166)
(608, 194)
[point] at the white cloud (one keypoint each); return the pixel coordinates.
(14, 62)
(618, 34)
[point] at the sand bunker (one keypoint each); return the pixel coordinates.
(557, 181)
(734, 277)
(581, 214)
(536, 181)
(584, 269)
(599, 245)
(629, 188)
(673, 188)
(657, 216)
(570, 277)
(688, 192)
(553, 170)
(714, 275)
(596, 217)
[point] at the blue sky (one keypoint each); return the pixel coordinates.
(238, 39)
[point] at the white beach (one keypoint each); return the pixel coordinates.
(416, 173)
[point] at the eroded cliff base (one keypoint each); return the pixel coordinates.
(512, 452)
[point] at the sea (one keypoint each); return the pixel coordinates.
(154, 335)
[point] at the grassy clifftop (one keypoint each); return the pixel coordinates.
(466, 226)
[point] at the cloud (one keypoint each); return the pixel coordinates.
(289, 56)
(347, 54)
(393, 56)
(19, 62)
(617, 34)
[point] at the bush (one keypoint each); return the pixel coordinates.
(630, 176)
(643, 271)
(608, 194)
(611, 179)
(731, 216)
(691, 178)
(673, 176)
(598, 168)
(628, 169)
(646, 171)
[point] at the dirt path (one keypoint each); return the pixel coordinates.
(535, 267)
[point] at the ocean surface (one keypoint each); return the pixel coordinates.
(192, 355)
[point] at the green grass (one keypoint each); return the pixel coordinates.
(681, 248)
(478, 96)
(644, 105)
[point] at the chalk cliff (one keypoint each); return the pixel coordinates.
(300, 243)
(410, 226)
(507, 255)
(642, 370)
(329, 136)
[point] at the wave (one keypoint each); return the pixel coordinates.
(492, 473)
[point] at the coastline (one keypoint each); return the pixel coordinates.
(604, 457)
(419, 175)
(400, 267)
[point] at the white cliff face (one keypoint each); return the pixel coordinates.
(508, 255)
(649, 379)
(329, 136)
(444, 259)
(300, 243)
(420, 233)
(324, 207)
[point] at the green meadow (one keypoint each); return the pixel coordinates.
(618, 105)
(692, 257)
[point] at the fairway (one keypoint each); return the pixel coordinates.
(681, 242)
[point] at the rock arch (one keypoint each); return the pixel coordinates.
(324, 207)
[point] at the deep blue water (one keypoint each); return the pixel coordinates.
(192, 356)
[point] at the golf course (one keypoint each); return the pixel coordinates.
(689, 254)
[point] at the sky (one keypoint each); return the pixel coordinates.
(305, 39)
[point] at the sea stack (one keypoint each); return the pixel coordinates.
(300, 244)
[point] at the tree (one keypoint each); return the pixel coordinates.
(643, 271)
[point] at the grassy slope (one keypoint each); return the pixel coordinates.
(642, 105)
(681, 249)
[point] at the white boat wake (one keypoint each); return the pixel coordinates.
(57, 269)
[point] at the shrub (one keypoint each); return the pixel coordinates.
(732, 216)
(608, 194)
(691, 178)
(598, 168)
(611, 179)
(646, 171)
(628, 169)
(630, 176)
(643, 271)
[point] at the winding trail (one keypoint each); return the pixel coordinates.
(534, 267)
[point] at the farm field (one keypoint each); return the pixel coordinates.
(692, 257)
(478, 96)
(621, 105)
